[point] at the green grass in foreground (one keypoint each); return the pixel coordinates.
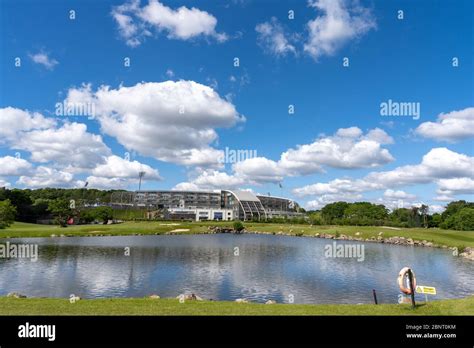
(435, 235)
(145, 306)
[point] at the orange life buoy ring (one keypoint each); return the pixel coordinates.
(402, 280)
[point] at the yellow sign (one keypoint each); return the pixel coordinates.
(426, 290)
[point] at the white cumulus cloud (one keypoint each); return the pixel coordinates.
(451, 171)
(212, 179)
(136, 22)
(451, 127)
(338, 22)
(455, 186)
(70, 144)
(398, 194)
(15, 120)
(47, 177)
(170, 121)
(14, 166)
(119, 173)
(119, 167)
(349, 148)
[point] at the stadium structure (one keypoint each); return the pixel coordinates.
(208, 205)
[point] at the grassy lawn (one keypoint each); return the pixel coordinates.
(437, 236)
(145, 306)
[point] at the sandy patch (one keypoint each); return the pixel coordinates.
(390, 228)
(181, 230)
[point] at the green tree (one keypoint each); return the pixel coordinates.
(365, 213)
(333, 212)
(454, 207)
(401, 217)
(61, 210)
(435, 220)
(464, 219)
(103, 214)
(457, 216)
(7, 213)
(448, 223)
(40, 208)
(415, 220)
(424, 214)
(315, 218)
(22, 201)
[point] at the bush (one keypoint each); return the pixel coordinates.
(7, 213)
(238, 226)
(103, 214)
(87, 216)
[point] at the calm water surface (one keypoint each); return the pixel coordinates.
(267, 267)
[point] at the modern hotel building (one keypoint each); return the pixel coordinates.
(209, 205)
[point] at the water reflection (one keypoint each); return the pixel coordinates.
(267, 267)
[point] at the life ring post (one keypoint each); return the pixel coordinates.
(375, 296)
(412, 290)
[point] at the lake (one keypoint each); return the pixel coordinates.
(227, 267)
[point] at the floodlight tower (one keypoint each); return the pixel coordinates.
(140, 176)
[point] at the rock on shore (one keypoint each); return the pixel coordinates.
(189, 297)
(16, 295)
(468, 253)
(242, 300)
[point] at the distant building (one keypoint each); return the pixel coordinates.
(209, 205)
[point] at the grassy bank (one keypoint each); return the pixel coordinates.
(434, 235)
(145, 306)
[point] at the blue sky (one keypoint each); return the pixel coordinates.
(335, 146)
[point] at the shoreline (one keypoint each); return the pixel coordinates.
(467, 253)
(173, 307)
(432, 238)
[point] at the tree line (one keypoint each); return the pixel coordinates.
(88, 205)
(83, 205)
(458, 215)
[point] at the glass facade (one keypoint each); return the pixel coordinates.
(210, 205)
